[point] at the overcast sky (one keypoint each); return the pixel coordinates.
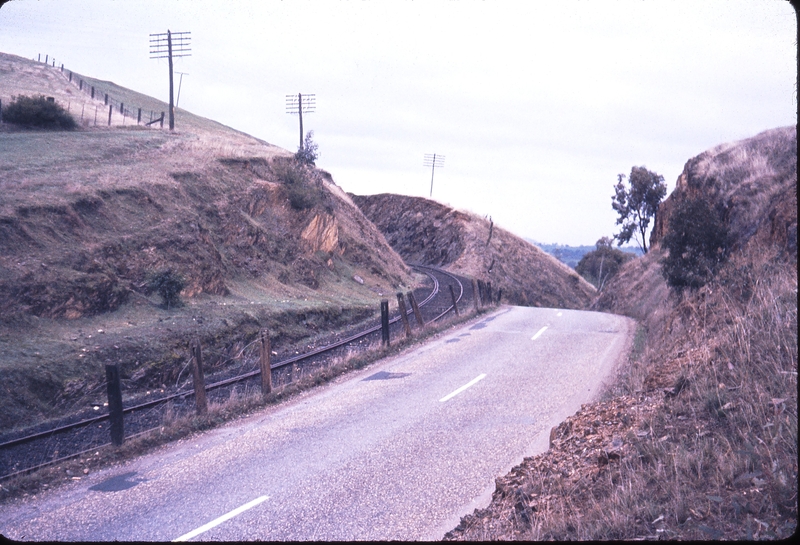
(536, 105)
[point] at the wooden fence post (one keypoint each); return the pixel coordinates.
(385, 322)
(266, 369)
(489, 292)
(199, 381)
(499, 295)
(417, 313)
(106, 102)
(115, 404)
(453, 296)
(162, 120)
(401, 304)
(70, 76)
(475, 295)
(110, 107)
(139, 117)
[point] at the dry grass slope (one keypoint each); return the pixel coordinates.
(87, 216)
(698, 437)
(424, 231)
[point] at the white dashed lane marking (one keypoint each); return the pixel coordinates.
(467, 385)
(217, 521)
(538, 333)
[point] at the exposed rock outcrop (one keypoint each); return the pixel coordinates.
(322, 233)
(752, 182)
(424, 231)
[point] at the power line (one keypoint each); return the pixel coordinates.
(167, 46)
(434, 161)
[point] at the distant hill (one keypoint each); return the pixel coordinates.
(425, 231)
(571, 255)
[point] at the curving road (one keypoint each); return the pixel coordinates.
(400, 450)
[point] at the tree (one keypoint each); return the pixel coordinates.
(307, 153)
(637, 204)
(698, 243)
(602, 263)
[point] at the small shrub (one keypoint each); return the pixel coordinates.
(38, 112)
(303, 193)
(698, 245)
(302, 197)
(308, 153)
(168, 284)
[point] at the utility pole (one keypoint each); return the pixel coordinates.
(180, 82)
(162, 47)
(301, 104)
(432, 160)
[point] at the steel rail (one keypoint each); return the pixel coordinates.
(277, 365)
(454, 277)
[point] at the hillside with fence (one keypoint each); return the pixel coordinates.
(91, 101)
(90, 217)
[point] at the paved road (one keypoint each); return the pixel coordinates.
(400, 450)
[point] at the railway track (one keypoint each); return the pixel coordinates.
(25, 453)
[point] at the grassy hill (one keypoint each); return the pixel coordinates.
(87, 217)
(697, 439)
(424, 231)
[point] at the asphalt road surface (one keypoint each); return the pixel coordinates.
(400, 450)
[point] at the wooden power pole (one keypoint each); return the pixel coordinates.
(432, 160)
(167, 46)
(301, 104)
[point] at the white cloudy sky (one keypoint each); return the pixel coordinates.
(536, 105)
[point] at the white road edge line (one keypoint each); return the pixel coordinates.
(467, 385)
(538, 333)
(220, 520)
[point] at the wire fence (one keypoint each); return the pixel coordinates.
(109, 109)
(114, 105)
